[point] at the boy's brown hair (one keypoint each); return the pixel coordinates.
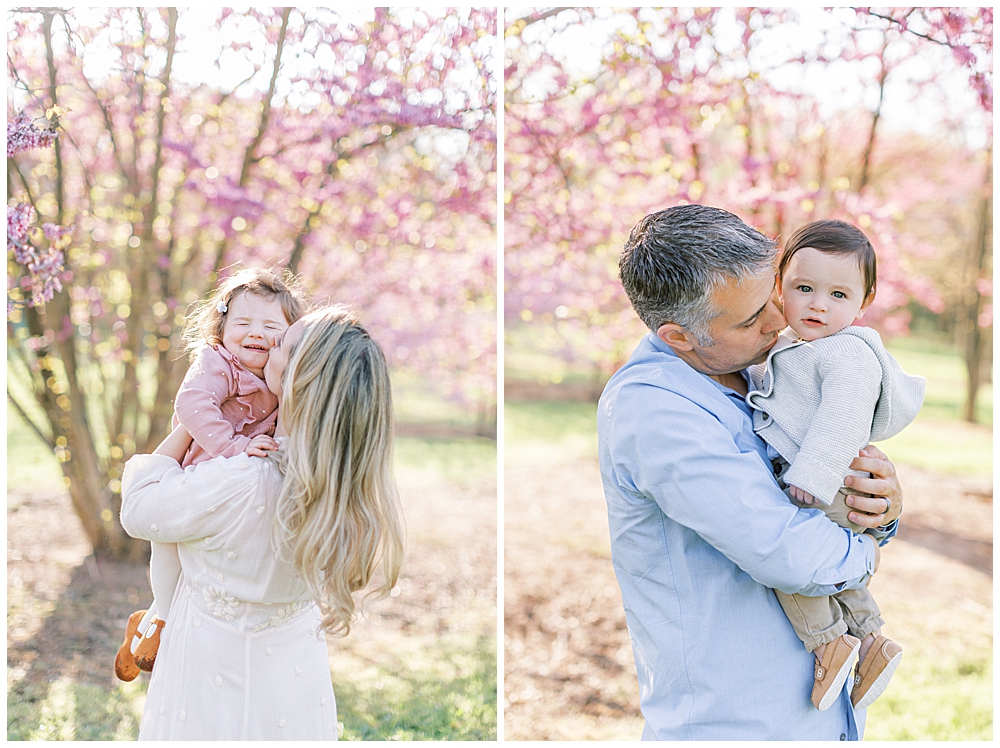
(205, 322)
(834, 237)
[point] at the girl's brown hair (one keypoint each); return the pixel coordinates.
(835, 237)
(205, 322)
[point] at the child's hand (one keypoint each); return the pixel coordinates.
(804, 496)
(259, 446)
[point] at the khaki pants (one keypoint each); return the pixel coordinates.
(820, 620)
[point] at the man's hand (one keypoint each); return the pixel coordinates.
(802, 495)
(259, 446)
(883, 485)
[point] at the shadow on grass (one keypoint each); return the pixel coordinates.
(412, 701)
(60, 681)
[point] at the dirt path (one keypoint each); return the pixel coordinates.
(568, 665)
(66, 612)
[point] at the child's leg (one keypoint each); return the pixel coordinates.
(164, 571)
(817, 620)
(821, 627)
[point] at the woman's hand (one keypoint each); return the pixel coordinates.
(176, 444)
(883, 485)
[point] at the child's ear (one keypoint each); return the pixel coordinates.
(864, 306)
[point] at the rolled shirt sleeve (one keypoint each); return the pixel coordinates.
(163, 502)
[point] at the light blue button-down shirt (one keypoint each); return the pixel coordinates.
(699, 533)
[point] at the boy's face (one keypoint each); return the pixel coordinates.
(822, 293)
(252, 324)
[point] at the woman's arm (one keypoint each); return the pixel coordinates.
(164, 503)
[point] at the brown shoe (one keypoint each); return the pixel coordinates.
(875, 672)
(125, 667)
(832, 672)
(145, 653)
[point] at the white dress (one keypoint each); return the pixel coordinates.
(241, 656)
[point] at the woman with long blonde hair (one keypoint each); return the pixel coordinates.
(273, 550)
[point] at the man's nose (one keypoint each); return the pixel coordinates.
(773, 319)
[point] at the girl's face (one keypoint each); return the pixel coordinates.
(822, 293)
(278, 359)
(252, 325)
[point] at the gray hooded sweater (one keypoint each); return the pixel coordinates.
(818, 402)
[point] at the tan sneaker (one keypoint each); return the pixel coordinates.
(875, 672)
(832, 672)
(125, 667)
(145, 653)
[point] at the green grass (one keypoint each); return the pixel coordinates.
(934, 700)
(30, 464)
(457, 459)
(65, 710)
(443, 689)
(938, 439)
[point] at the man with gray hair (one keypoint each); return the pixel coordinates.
(700, 531)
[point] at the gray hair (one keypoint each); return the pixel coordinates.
(674, 260)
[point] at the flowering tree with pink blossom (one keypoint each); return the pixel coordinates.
(693, 105)
(357, 148)
(40, 266)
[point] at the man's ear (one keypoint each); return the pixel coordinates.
(677, 337)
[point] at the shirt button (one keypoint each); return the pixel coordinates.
(218, 680)
(267, 651)
(765, 416)
(843, 736)
(154, 528)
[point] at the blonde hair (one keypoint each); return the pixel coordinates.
(206, 321)
(338, 516)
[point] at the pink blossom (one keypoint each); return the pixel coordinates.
(23, 135)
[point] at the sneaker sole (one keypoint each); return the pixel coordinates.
(837, 685)
(877, 688)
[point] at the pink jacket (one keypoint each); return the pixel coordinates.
(223, 405)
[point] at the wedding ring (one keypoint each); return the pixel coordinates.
(888, 505)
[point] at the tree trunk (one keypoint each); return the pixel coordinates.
(870, 145)
(973, 299)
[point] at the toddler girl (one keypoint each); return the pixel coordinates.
(825, 391)
(227, 408)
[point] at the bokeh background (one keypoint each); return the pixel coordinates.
(881, 117)
(151, 150)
